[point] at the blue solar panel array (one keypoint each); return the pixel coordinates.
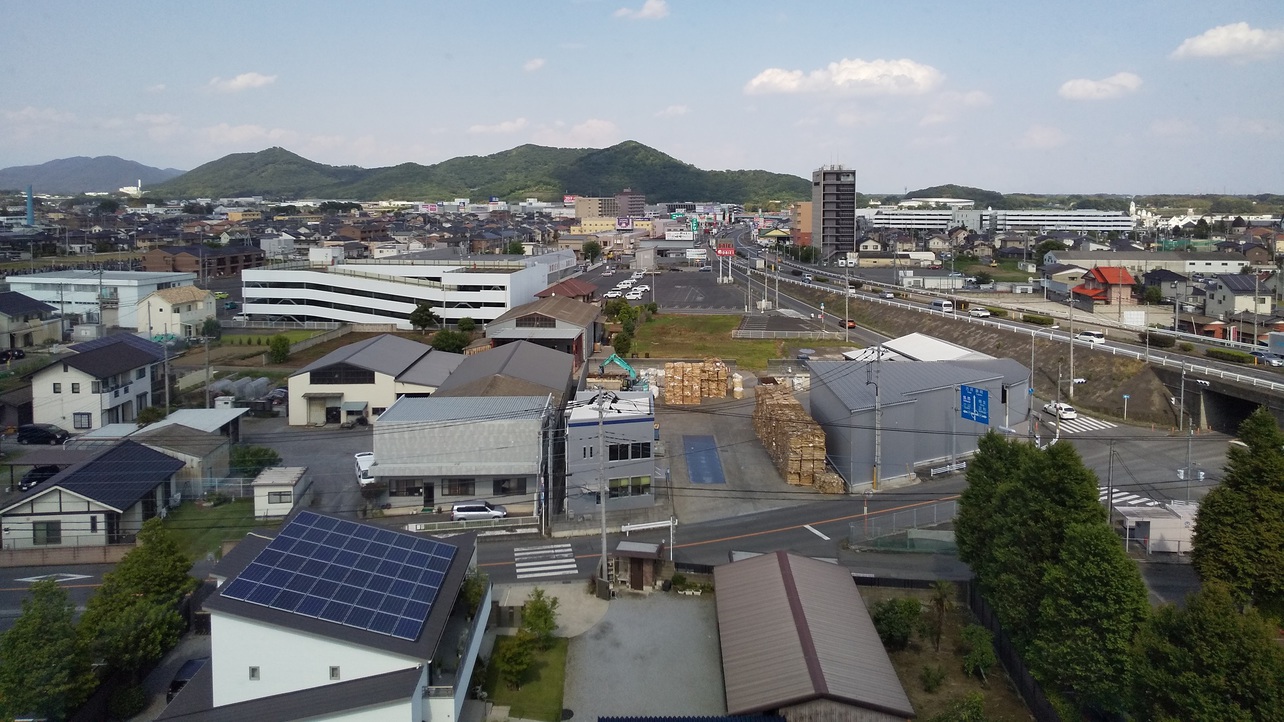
(347, 573)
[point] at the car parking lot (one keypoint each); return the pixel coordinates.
(327, 452)
(681, 288)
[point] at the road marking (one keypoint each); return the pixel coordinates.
(551, 560)
(812, 529)
(56, 577)
(1124, 498)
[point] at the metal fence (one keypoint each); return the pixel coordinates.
(236, 487)
(886, 530)
(1035, 699)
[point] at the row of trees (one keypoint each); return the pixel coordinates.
(1056, 574)
(47, 660)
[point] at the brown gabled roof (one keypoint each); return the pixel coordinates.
(184, 294)
(794, 629)
(559, 307)
(570, 288)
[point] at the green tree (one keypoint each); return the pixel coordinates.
(940, 603)
(539, 617)
(474, 590)
(248, 461)
(514, 658)
(44, 664)
(211, 328)
(622, 342)
(1201, 229)
(466, 325)
(978, 652)
(1093, 605)
(149, 415)
(423, 316)
(997, 461)
(984, 277)
(1239, 532)
(279, 349)
(1208, 662)
(449, 340)
(515, 248)
(109, 205)
(591, 249)
(895, 620)
(136, 635)
(1044, 248)
(1152, 295)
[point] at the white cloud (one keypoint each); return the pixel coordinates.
(1237, 40)
(533, 64)
(34, 115)
(650, 10)
(1258, 127)
(1040, 137)
(1115, 86)
(864, 77)
(224, 134)
(507, 126)
(157, 88)
(672, 111)
(854, 118)
(244, 81)
(592, 133)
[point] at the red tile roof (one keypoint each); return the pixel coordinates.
(1098, 294)
(1112, 275)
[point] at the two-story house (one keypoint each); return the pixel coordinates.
(107, 382)
(329, 618)
(1110, 285)
(610, 438)
(26, 322)
(179, 311)
(1231, 294)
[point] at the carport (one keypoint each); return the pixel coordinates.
(47, 456)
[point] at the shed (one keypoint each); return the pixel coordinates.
(797, 641)
(279, 489)
(1169, 528)
(637, 563)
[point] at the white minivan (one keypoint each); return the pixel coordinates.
(364, 460)
(1090, 337)
(943, 305)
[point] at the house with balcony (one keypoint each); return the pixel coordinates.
(330, 618)
(1108, 285)
(102, 500)
(107, 381)
(26, 322)
(610, 437)
(179, 311)
(206, 261)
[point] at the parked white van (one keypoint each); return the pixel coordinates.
(943, 305)
(1090, 337)
(364, 460)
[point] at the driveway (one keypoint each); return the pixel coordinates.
(327, 452)
(658, 653)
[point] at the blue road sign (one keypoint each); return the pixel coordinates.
(974, 404)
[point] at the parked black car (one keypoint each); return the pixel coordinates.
(12, 354)
(36, 475)
(42, 434)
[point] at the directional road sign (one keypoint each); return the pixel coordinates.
(975, 404)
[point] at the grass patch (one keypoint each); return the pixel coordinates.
(202, 529)
(540, 697)
(696, 337)
(294, 335)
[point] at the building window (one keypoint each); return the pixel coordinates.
(334, 674)
(57, 388)
(93, 525)
(82, 420)
(617, 452)
(378, 410)
(96, 387)
(140, 373)
(254, 674)
(640, 450)
(459, 487)
(536, 320)
(75, 388)
(280, 497)
(46, 533)
(341, 375)
(629, 486)
(506, 487)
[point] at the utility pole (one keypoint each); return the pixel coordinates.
(1057, 407)
(847, 300)
(1029, 394)
(1071, 392)
(603, 580)
(1190, 437)
(1110, 485)
(1181, 411)
(878, 418)
(208, 398)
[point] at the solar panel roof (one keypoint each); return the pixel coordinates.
(347, 573)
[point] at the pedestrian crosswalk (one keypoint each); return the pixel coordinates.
(551, 560)
(1079, 425)
(1124, 498)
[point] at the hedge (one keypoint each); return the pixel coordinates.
(1158, 340)
(1228, 354)
(997, 312)
(1038, 320)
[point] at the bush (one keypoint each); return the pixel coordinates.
(466, 325)
(623, 343)
(978, 651)
(248, 461)
(895, 620)
(932, 677)
(997, 312)
(279, 351)
(1229, 354)
(1157, 340)
(127, 702)
(653, 309)
(1038, 320)
(1186, 347)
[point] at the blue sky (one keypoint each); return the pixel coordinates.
(1139, 96)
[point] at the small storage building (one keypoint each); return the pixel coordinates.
(279, 489)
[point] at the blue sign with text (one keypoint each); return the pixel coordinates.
(975, 404)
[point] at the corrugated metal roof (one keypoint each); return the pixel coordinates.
(385, 354)
(280, 476)
(519, 360)
(208, 420)
(921, 347)
(185, 294)
(557, 333)
(461, 408)
(561, 308)
(794, 629)
(899, 381)
(432, 369)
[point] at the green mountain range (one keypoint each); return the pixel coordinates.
(523, 172)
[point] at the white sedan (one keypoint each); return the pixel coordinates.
(1062, 411)
(612, 294)
(643, 288)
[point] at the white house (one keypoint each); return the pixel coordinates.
(179, 311)
(106, 383)
(103, 500)
(329, 618)
(85, 293)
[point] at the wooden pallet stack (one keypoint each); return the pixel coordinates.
(794, 441)
(685, 384)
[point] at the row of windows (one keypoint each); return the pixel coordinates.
(255, 674)
(628, 486)
(96, 387)
(280, 497)
(341, 374)
(468, 487)
(624, 452)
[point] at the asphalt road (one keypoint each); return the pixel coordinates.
(80, 581)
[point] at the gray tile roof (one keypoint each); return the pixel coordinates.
(117, 478)
(793, 630)
(522, 361)
(156, 350)
(14, 304)
(385, 354)
(432, 369)
(436, 409)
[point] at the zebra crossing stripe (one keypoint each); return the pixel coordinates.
(1123, 498)
(545, 561)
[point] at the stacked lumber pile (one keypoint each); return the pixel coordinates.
(794, 441)
(686, 383)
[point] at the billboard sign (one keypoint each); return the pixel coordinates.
(568, 200)
(697, 254)
(623, 223)
(974, 404)
(695, 225)
(725, 251)
(433, 208)
(679, 235)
